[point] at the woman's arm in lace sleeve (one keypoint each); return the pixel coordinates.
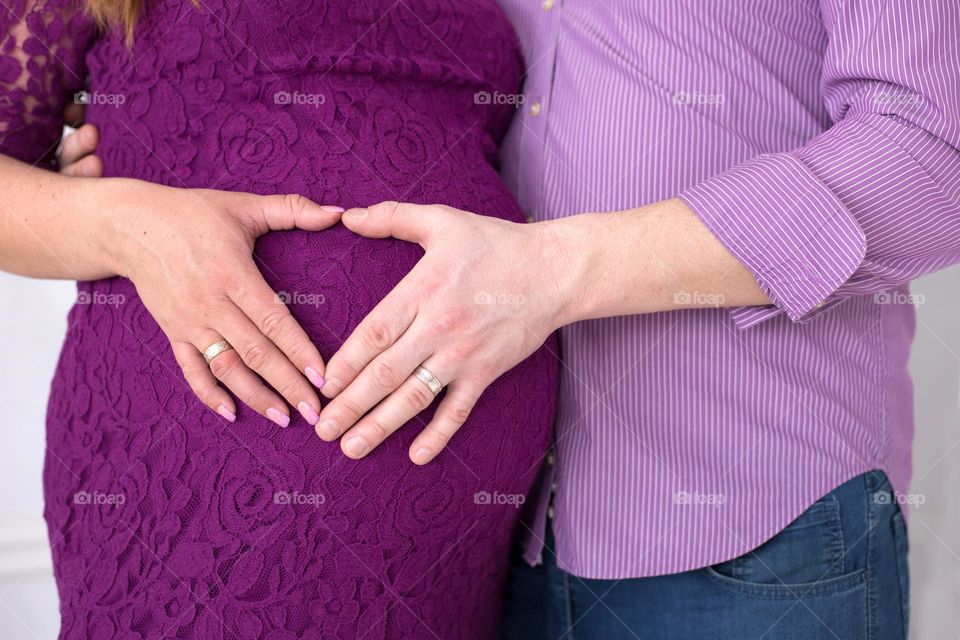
(43, 45)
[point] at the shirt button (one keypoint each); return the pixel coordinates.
(529, 217)
(551, 459)
(547, 5)
(553, 487)
(550, 512)
(535, 109)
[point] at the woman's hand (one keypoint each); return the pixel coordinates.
(484, 297)
(189, 253)
(190, 258)
(79, 146)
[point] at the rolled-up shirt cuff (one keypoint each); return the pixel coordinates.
(794, 235)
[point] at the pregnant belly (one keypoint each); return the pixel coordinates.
(331, 279)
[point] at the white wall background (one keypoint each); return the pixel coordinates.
(33, 320)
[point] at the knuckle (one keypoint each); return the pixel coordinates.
(290, 389)
(222, 365)
(274, 323)
(440, 438)
(255, 355)
(431, 286)
(387, 207)
(206, 395)
(377, 336)
(465, 349)
(294, 203)
(385, 375)
(458, 413)
(351, 408)
(297, 352)
(224, 280)
(342, 369)
(378, 429)
(417, 396)
(450, 321)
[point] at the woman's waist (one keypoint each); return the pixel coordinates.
(353, 179)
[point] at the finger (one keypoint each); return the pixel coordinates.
(412, 397)
(74, 114)
(263, 357)
(380, 378)
(376, 333)
(78, 144)
(230, 369)
(452, 412)
(86, 167)
(400, 220)
(291, 211)
(202, 381)
(258, 301)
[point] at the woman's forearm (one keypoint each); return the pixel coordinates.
(655, 258)
(54, 226)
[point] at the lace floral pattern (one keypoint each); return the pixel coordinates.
(166, 521)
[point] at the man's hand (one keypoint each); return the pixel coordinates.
(77, 155)
(488, 292)
(484, 297)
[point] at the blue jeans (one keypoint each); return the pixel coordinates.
(838, 572)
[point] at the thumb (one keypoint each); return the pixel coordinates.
(400, 220)
(293, 211)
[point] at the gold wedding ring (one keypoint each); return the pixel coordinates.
(428, 379)
(216, 349)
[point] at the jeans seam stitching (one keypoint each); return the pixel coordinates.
(569, 604)
(871, 566)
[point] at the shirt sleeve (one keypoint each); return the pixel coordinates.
(43, 45)
(873, 201)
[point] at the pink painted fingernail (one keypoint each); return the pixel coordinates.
(355, 447)
(279, 417)
(332, 209)
(228, 415)
(422, 455)
(309, 413)
(314, 377)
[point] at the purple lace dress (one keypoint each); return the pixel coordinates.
(167, 522)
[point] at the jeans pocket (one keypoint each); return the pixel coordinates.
(806, 557)
(807, 550)
(791, 591)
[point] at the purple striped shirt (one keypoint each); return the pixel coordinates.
(819, 142)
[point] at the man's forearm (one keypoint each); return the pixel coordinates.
(654, 258)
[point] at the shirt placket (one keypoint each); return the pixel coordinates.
(536, 108)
